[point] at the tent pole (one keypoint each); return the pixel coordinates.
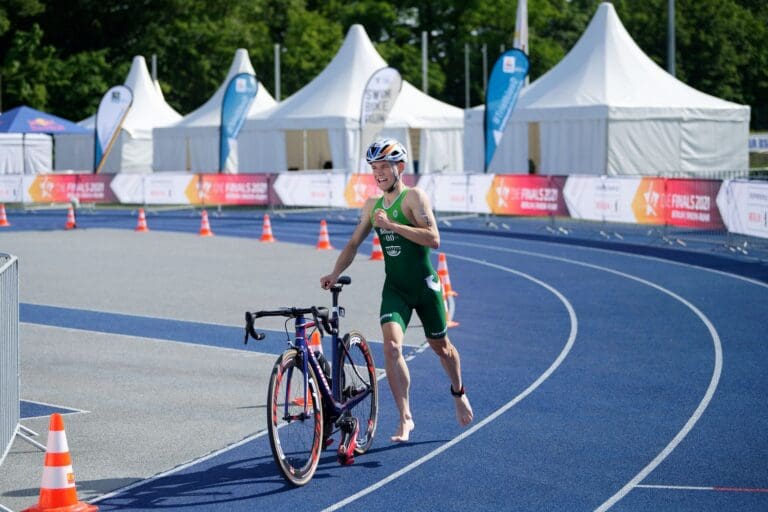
(466, 75)
(671, 37)
(277, 72)
(424, 61)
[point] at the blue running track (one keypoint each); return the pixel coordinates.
(602, 376)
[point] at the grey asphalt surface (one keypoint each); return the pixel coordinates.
(150, 404)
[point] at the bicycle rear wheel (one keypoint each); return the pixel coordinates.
(358, 375)
(295, 432)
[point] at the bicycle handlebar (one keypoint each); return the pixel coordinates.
(319, 314)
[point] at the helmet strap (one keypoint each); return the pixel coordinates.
(397, 178)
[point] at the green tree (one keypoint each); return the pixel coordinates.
(28, 67)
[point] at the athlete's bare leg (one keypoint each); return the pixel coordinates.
(398, 377)
(449, 358)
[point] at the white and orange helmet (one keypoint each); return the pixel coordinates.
(386, 150)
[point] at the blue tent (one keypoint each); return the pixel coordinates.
(24, 119)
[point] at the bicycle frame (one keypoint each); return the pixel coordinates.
(332, 392)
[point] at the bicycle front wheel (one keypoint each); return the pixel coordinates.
(358, 375)
(295, 418)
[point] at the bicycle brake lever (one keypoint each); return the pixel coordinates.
(249, 330)
(318, 323)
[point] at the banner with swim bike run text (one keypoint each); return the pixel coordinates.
(238, 97)
(379, 95)
(113, 108)
(507, 78)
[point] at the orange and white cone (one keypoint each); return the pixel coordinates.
(324, 242)
(448, 293)
(141, 225)
(315, 342)
(450, 307)
(377, 253)
(442, 272)
(71, 223)
(205, 227)
(3, 219)
(57, 491)
(266, 230)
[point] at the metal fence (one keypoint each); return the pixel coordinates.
(9, 351)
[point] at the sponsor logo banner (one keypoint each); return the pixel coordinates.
(693, 203)
(362, 186)
(458, 192)
(744, 207)
(11, 189)
(527, 195)
(507, 78)
(379, 97)
(310, 189)
(87, 188)
(234, 189)
(612, 199)
(649, 201)
(239, 96)
(112, 110)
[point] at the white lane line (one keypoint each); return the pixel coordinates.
(715, 488)
(676, 487)
(612, 251)
(703, 404)
(530, 389)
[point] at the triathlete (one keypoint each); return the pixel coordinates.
(407, 230)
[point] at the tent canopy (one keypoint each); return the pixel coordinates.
(606, 107)
(321, 122)
(607, 74)
(132, 151)
(192, 143)
(25, 119)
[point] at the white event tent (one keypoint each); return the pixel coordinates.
(192, 144)
(319, 126)
(607, 108)
(132, 150)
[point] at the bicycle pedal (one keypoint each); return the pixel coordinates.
(328, 441)
(346, 453)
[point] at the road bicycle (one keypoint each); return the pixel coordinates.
(309, 400)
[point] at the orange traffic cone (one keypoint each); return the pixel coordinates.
(450, 306)
(442, 272)
(266, 230)
(315, 342)
(324, 242)
(3, 219)
(376, 254)
(448, 292)
(57, 491)
(71, 224)
(141, 226)
(205, 227)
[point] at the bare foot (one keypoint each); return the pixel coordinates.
(403, 432)
(463, 410)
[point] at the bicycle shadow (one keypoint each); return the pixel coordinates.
(229, 482)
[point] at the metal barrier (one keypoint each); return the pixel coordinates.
(9, 352)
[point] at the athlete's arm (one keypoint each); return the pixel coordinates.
(347, 255)
(418, 210)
